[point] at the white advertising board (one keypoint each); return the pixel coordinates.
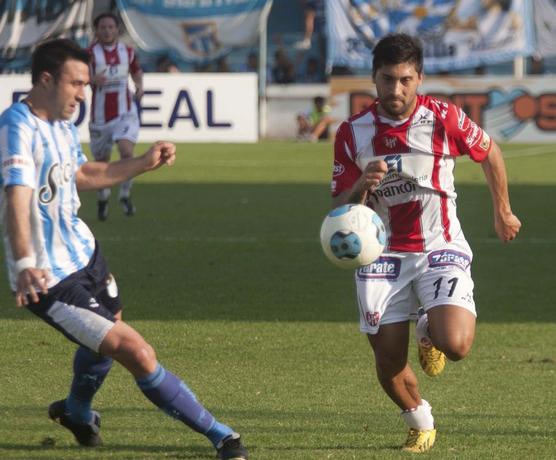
(179, 107)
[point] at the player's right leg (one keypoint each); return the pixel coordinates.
(167, 391)
(390, 345)
(387, 303)
(101, 148)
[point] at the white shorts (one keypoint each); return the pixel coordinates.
(391, 289)
(104, 135)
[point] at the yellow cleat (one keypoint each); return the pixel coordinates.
(419, 441)
(431, 359)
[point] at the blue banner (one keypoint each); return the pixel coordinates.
(455, 34)
(197, 30)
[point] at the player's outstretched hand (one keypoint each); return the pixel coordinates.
(507, 227)
(161, 153)
(28, 282)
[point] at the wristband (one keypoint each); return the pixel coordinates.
(23, 264)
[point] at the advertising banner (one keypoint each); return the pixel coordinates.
(24, 23)
(455, 34)
(508, 109)
(180, 108)
(199, 30)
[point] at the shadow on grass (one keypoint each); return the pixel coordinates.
(250, 252)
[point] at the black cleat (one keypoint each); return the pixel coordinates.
(127, 206)
(85, 434)
(232, 449)
(102, 213)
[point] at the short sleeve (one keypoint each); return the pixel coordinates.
(345, 171)
(465, 136)
(134, 65)
(16, 150)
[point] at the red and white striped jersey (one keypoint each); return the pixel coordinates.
(416, 199)
(114, 98)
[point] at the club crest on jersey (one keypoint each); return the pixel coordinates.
(390, 142)
(338, 170)
(372, 318)
(201, 38)
(387, 268)
(447, 257)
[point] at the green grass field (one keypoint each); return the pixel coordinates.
(221, 270)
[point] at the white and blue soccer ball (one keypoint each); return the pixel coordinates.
(352, 235)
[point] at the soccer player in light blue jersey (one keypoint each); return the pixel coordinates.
(55, 265)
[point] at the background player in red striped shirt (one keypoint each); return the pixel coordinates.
(113, 110)
(398, 157)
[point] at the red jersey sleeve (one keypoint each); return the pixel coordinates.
(465, 137)
(134, 65)
(345, 171)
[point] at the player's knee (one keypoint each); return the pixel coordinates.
(457, 348)
(388, 366)
(144, 356)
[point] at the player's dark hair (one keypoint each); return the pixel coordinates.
(106, 14)
(397, 49)
(51, 55)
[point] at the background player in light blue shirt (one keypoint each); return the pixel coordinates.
(55, 266)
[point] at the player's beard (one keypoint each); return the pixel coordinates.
(399, 110)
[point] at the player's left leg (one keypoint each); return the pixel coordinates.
(452, 330)
(126, 133)
(167, 391)
(448, 327)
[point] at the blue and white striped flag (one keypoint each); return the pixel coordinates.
(24, 23)
(455, 34)
(197, 30)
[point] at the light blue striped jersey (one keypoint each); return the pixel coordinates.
(45, 156)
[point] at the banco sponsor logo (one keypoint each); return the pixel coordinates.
(393, 190)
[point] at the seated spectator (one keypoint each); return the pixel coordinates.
(313, 125)
(536, 65)
(283, 70)
(222, 65)
(313, 72)
(251, 64)
(165, 65)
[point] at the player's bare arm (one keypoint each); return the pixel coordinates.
(29, 278)
(137, 78)
(506, 224)
(94, 175)
(372, 176)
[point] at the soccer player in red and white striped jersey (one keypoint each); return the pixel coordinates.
(398, 157)
(113, 111)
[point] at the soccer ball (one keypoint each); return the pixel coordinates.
(352, 235)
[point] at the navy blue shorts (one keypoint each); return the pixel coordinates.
(82, 306)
